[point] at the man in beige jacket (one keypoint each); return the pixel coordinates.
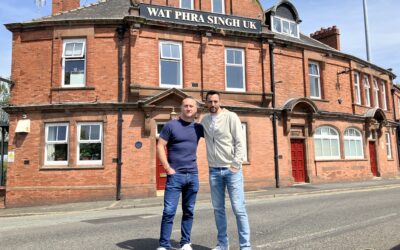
(225, 149)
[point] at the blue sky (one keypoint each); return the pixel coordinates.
(384, 26)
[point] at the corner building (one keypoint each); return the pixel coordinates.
(95, 84)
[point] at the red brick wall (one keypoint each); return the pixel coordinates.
(32, 184)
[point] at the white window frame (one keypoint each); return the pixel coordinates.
(388, 146)
(191, 5)
(47, 125)
(376, 93)
(161, 57)
(350, 138)
(367, 89)
(330, 138)
(282, 20)
(244, 128)
(357, 87)
(78, 140)
(318, 77)
(223, 6)
(157, 131)
(82, 56)
(384, 97)
(243, 65)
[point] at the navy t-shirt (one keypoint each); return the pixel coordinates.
(182, 138)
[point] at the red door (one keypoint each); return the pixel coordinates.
(298, 162)
(161, 175)
(372, 155)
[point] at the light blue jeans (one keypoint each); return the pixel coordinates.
(220, 180)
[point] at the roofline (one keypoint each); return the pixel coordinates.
(136, 19)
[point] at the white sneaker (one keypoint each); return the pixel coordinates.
(220, 248)
(186, 247)
(161, 248)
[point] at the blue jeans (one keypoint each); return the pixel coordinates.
(221, 179)
(188, 185)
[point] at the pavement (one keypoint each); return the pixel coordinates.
(268, 193)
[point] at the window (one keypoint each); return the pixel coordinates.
(170, 64)
(357, 88)
(388, 146)
(315, 83)
(90, 143)
(159, 127)
(234, 69)
(73, 63)
(367, 88)
(376, 93)
(384, 101)
(398, 104)
(284, 26)
(186, 4)
(244, 127)
(326, 143)
(56, 149)
(353, 144)
(218, 6)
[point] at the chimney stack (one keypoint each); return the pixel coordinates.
(64, 5)
(330, 36)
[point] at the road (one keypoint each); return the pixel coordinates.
(365, 219)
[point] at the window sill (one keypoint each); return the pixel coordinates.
(80, 167)
(341, 160)
(72, 88)
(370, 107)
(246, 163)
(318, 100)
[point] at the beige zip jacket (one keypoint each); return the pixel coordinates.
(225, 143)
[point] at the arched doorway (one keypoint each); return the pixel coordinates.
(298, 115)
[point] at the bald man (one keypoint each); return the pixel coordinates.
(181, 138)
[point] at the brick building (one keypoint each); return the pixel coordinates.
(94, 85)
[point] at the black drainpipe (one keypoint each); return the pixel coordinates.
(120, 32)
(263, 103)
(274, 129)
(201, 67)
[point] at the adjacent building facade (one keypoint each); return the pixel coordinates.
(94, 86)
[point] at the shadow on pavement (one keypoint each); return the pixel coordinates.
(151, 244)
(395, 248)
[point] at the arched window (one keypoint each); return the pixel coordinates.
(326, 141)
(353, 146)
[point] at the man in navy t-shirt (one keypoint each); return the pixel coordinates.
(181, 138)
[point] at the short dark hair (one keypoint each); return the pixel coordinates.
(190, 98)
(212, 92)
